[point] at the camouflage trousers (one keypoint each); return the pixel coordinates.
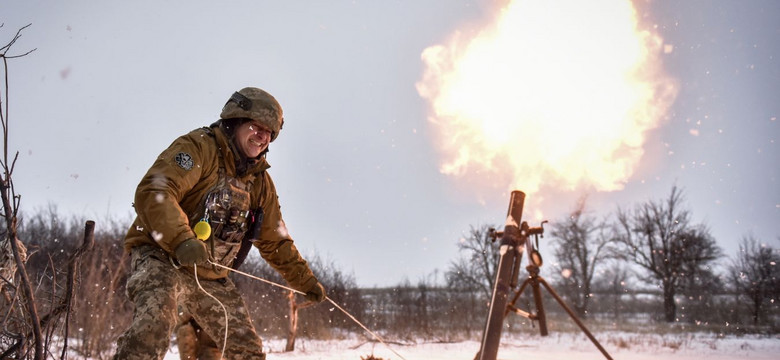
(156, 289)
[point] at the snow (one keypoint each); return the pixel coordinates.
(622, 346)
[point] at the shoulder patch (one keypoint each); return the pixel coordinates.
(184, 160)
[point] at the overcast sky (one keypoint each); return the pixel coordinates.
(112, 83)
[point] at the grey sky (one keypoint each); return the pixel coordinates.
(112, 83)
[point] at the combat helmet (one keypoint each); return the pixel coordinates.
(256, 104)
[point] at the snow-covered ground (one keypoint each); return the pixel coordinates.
(621, 346)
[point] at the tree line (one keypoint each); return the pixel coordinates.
(653, 248)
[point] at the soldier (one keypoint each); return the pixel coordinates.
(194, 207)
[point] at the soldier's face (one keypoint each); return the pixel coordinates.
(252, 138)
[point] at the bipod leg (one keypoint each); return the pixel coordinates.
(511, 306)
(574, 317)
(540, 316)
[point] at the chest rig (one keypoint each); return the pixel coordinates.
(227, 209)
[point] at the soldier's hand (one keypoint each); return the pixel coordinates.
(316, 293)
(191, 251)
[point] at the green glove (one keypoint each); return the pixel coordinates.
(316, 293)
(191, 251)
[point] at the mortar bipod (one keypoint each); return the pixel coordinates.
(535, 262)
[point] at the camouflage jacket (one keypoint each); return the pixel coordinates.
(169, 201)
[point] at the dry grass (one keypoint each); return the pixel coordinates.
(370, 357)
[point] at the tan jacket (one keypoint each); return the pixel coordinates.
(170, 200)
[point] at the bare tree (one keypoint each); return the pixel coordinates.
(26, 334)
(660, 238)
(292, 330)
(341, 288)
(581, 245)
(756, 275)
(10, 201)
(476, 269)
(613, 281)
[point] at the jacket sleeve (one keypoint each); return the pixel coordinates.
(277, 247)
(158, 196)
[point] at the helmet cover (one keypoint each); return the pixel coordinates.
(256, 104)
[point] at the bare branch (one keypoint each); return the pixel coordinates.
(13, 40)
(20, 55)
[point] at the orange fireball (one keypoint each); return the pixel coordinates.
(554, 93)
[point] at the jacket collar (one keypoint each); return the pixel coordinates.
(233, 159)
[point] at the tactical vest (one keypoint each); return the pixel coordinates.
(227, 209)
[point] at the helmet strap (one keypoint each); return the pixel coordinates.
(242, 101)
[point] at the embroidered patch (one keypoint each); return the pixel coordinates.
(184, 160)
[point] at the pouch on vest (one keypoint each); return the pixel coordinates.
(227, 211)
